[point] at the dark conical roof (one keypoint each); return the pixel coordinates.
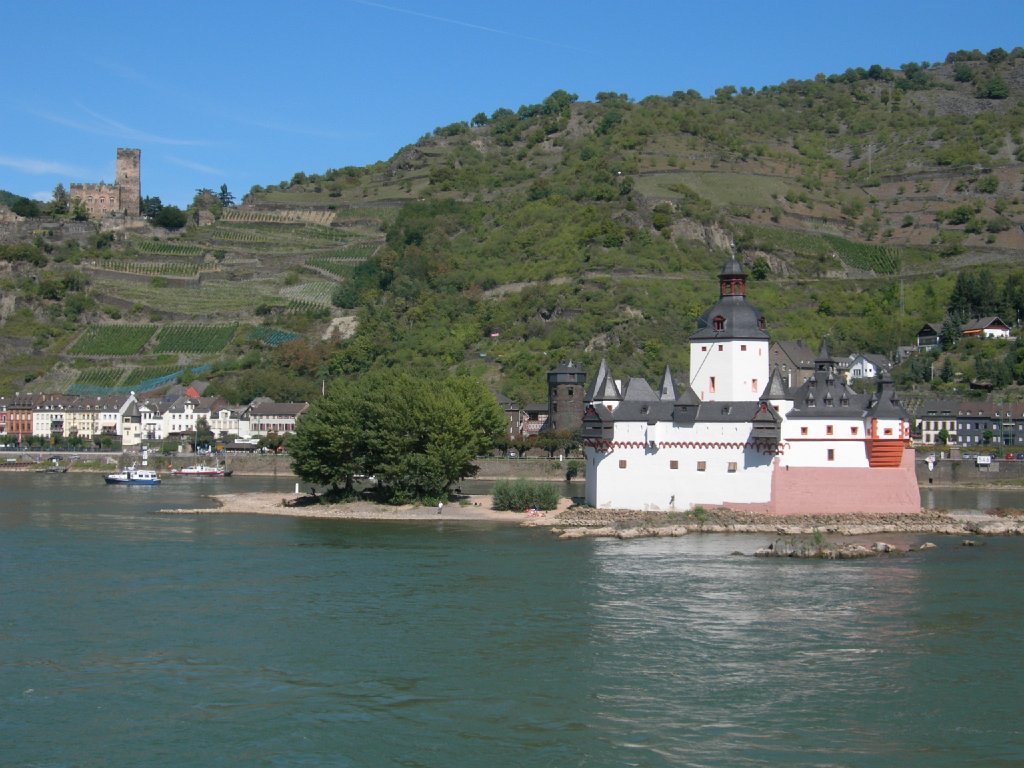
(776, 388)
(668, 386)
(603, 386)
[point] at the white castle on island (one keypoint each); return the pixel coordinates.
(736, 437)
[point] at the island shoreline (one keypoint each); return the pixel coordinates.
(569, 521)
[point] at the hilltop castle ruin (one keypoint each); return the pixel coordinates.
(123, 197)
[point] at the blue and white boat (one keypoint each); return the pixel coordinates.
(133, 476)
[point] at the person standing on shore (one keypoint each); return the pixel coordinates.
(440, 506)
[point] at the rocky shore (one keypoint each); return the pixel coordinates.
(579, 522)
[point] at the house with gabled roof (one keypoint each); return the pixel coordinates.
(866, 365)
(794, 360)
(986, 328)
(929, 336)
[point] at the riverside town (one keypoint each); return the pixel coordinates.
(677, 424)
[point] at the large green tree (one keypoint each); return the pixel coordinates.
(417, 435)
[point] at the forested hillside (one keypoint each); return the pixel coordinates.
(575, 229)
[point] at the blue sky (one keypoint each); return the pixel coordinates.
(249, 93)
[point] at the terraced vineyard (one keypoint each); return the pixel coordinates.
(194, 338)
(114, 340)
(106, 381)
(154, 268)
(872, 258)
(272, 337)
(316, 293)
(214, 298)
(164, 248)
(336, 266)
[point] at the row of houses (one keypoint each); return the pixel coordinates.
(970, 423)
(133, 420)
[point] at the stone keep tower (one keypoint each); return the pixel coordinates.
(129, 180)
(565, 397)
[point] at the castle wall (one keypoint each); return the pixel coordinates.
(839, 490)
(99, 199)
(122, 197)
(846, 442)
(711, 464)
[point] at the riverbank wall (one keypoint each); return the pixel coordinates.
(967, 472)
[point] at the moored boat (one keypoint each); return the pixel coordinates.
(201, 470)
(133, 476)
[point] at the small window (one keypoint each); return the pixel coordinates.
(721, 348)
(703, 349)
(753, 385)
(854, 430)
(743, 347)
(888, 430)
(702, 466)
(711, 384)
(570, 391)
(831, 454)
(828, 429)
(803, 431)
(719, 324)
(732, 466)
(673, 464)
(622, 463)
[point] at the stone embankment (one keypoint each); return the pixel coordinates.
(579, 522)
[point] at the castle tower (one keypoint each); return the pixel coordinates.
(729, 351)
(565, 397)
(128, 181)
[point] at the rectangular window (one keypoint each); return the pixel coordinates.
(803, 430)
(831, 454)
(888, 430)
(711, 384)
(743, 347)
(720, 347)
(828, 429)
(673, 464)
(732, 466)
(622, 463)
(702, 466)
(753, 386)
(703, 349)
(854, 430)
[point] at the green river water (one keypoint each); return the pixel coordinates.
(131, 638)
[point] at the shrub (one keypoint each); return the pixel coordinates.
(524, 494)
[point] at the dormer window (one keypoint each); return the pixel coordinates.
(718, 323)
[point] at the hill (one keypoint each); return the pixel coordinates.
(578, 229)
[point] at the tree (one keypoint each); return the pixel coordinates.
(416, 435)
(326, 448)
(170, 217)
(225, 197)
(994, 88)
(204, 434)
(61, 202)
(151, 206)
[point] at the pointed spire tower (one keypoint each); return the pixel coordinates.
(729, 350)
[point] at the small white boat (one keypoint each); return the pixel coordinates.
(133, 476)
(201, 470)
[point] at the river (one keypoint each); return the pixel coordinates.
(132, 638)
